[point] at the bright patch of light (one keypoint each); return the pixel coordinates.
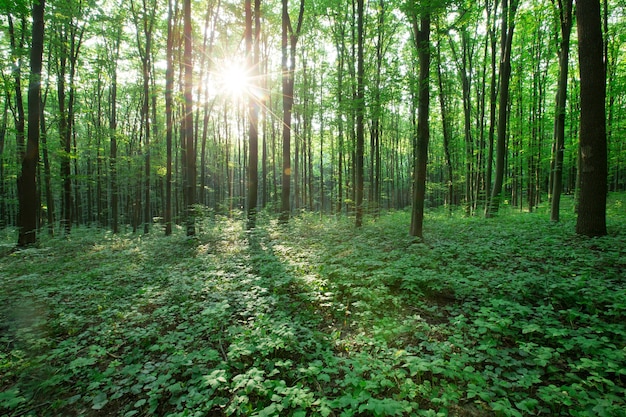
(233, 80)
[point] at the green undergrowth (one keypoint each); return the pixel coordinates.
(511, 316)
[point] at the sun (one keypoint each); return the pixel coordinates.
(233, 80)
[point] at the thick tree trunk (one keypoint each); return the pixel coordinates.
(592, 150)
(28, 198)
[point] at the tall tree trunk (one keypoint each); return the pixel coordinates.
(508, 27)
(189, 154)
(28, 197)
(446, 128)
(493, 98)
(66, 216)
(592, 150)
(253, 51)
(565, 12)
(47, 169)
(113, 166)
(422, 43)
(360, 114)
(17, 44)
(3, 131)
(288, 43)
(169, 121)
(147, 20)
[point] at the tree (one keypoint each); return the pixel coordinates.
(360, 114)
(565, 20)
(592, 151)
(169, 122)
(421, 33)
(289, 40)
(253, 106)
(508, 27)
(17, 41)
(28, 198)
(146, 19)
(69, 39)
(189, 153)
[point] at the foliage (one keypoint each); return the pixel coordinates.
(513, 316)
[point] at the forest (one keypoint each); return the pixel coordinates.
(313, 208)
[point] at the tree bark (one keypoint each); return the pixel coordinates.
(28, 199)
(592, 149)
(252, 52)
(565, 12)
(422, 43)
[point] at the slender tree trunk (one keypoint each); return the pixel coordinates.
(252, 40)
(47, 170)
(446, 130)
(66, 217)
(508, 27)
(169, 121)
(493, 98)
(17, 44)
(189, 154)
(3, 131)
(288, 43)
(422, 43)
(360, 113)
(565, 11)
(28, 199)
(592, 150)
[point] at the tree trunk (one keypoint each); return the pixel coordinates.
(565, 11)
(169, 122)
(360, 114)
(288, 43)
(446, 128)
(508, 27)
(422, 43)
(253, 39)
(28, 198)
(592, 150)
(3, 131)
(189, 154)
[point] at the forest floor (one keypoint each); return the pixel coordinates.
(511, 316)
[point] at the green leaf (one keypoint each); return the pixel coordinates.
(527, 405)
(215, 378)
(531, 328)
(140, 402)
(99, 401)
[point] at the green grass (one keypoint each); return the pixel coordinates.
(512, 316)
